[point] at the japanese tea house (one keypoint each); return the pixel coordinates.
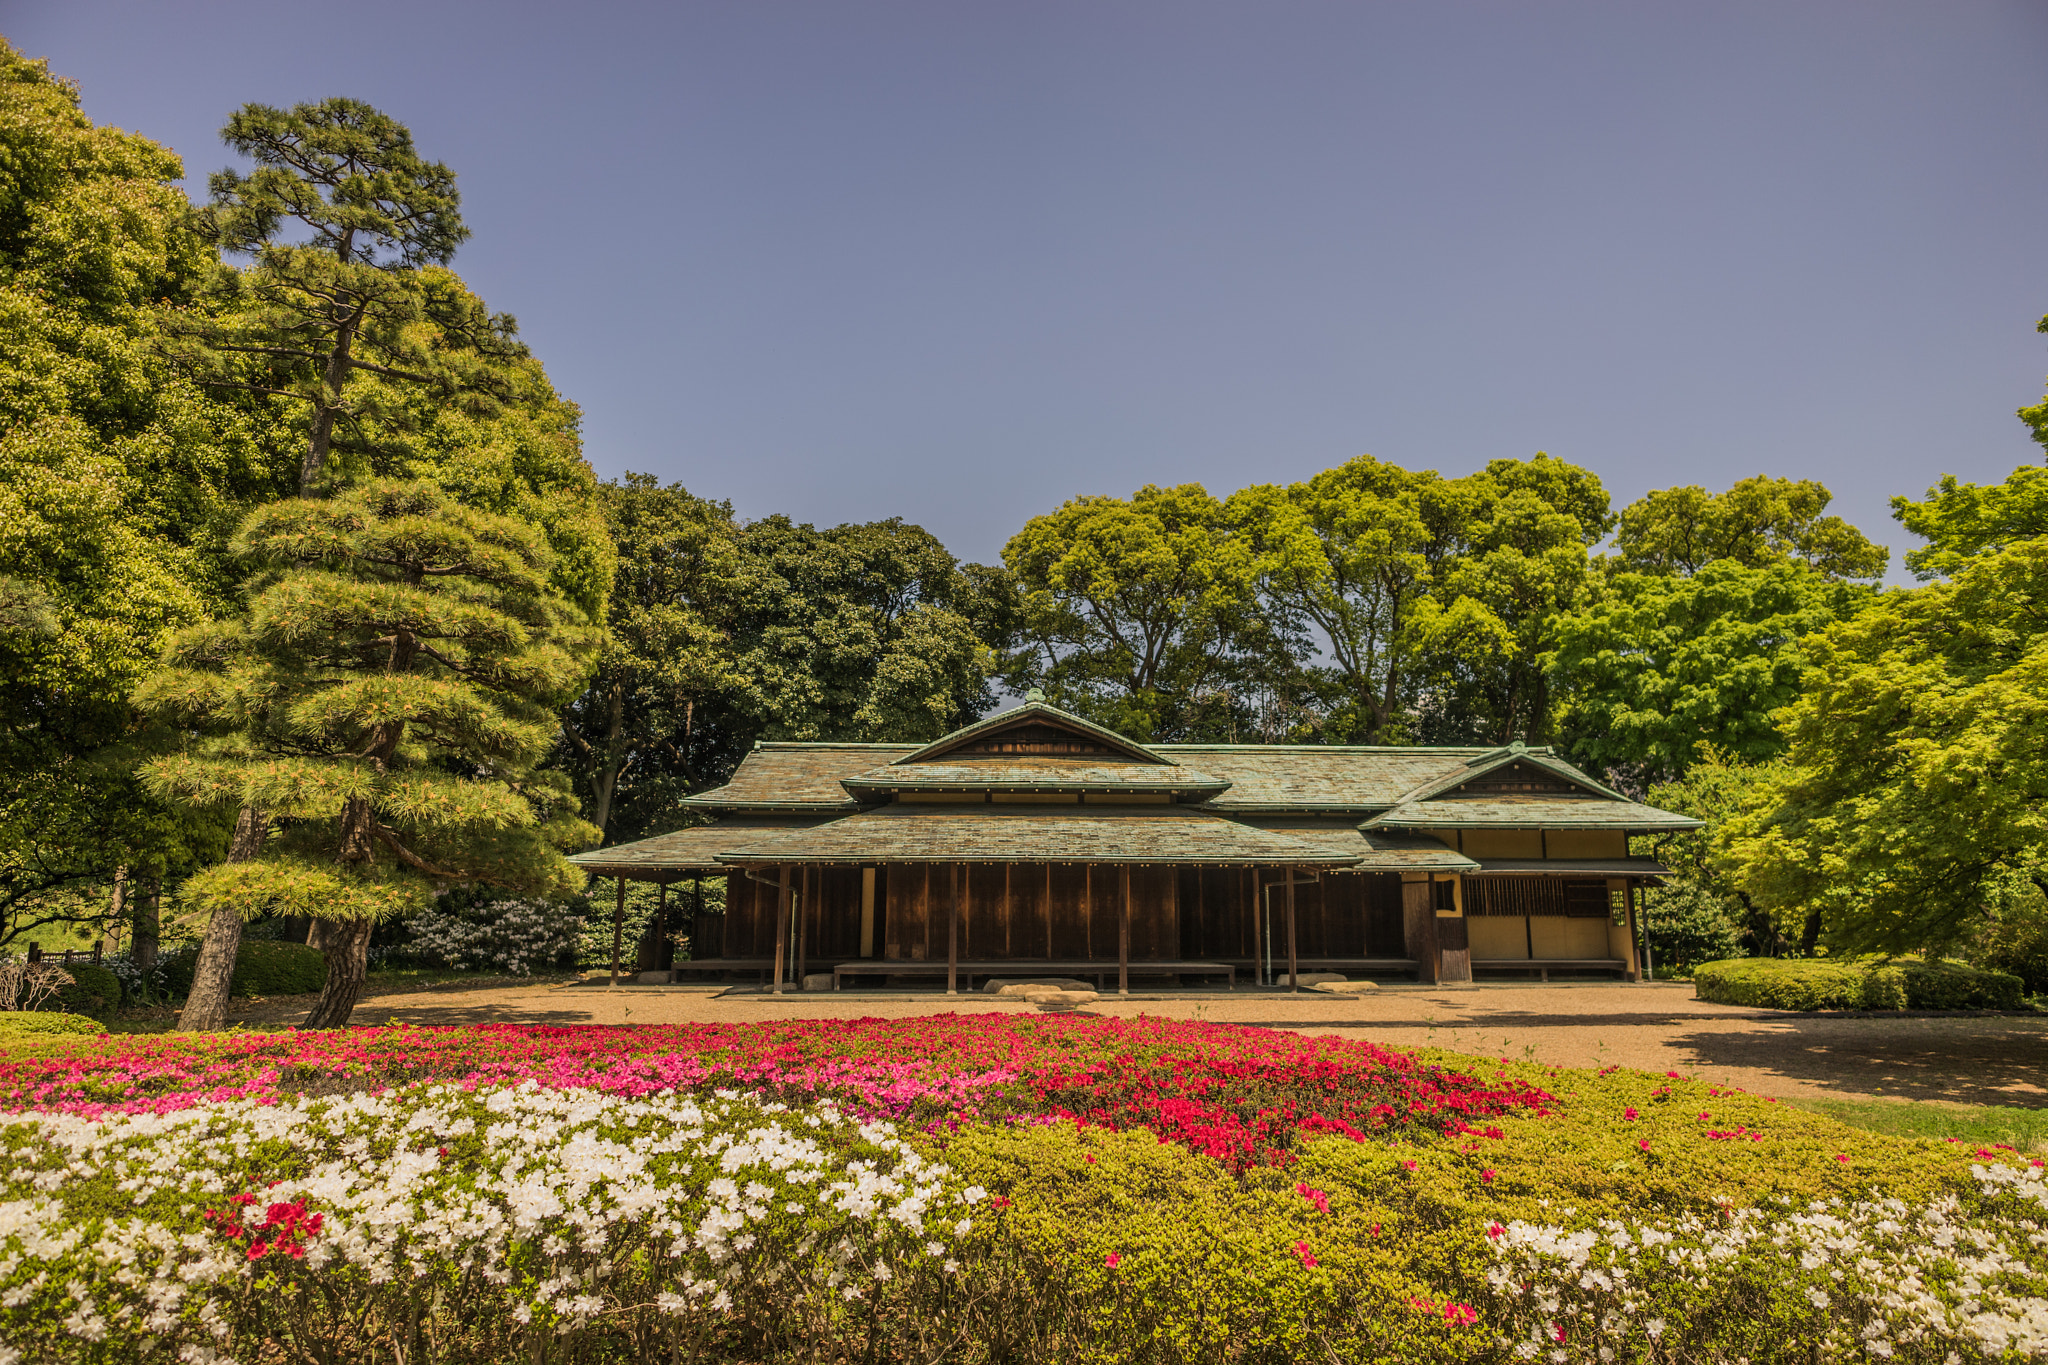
(1037, 843)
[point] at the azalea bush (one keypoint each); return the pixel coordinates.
(1044, 1188)
(518, 937)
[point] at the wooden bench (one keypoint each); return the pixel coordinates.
(1547, 965)
(878, 966)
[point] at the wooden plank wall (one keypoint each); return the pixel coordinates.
(1351, 914)
(1067, 910)
(1027, 911)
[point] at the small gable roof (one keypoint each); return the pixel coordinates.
(1508, 756)
(1035, 714)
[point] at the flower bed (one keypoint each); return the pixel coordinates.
(1155, 1191)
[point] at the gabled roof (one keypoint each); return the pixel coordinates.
(1376, 850)
(1035, 834)
(786, 775)
(1034, 713)
(1032, 772)
(688, 850)
(1506, 756)
(1531, 812)
(1310, 777)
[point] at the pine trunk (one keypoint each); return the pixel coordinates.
(347, 948)
(206, 1008)
(148, 929)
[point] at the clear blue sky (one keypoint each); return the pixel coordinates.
(958, 261)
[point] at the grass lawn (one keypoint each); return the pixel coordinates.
(1980, 1124)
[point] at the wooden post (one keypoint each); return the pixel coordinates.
(662, 948)
(1123, 938)
(1642, 968)
(1258, 926)
(781, 925)
(803, 927)
(618, 929)
(1293, 960)
(953, 936)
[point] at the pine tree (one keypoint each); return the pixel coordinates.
(386, 701)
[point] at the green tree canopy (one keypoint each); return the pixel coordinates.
(120, 484)
(1656, 668)
(387, 698)
(1962, 521)
(343, 223)
(1759, 522)
(724, 633)
(1135, 609)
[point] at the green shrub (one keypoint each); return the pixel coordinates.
(94, 991)
(262, 967)
(2017, 942)
(1783, 983)
(20, 1022)
(1870, 983)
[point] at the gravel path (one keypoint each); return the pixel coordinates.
(1971, 1058)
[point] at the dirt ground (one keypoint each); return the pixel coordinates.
(1968, 1058)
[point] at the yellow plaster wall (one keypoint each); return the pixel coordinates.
(1502, 843)
(1587, 843)
(1497, 936)
(1556, 936)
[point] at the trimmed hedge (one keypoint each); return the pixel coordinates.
(262, 967)
(47, 1021)
(1870, 983)
(94, 991)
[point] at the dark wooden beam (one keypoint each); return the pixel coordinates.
(618, 929)
(953, 935)
(781, 926)
(1293, 958)
(1123, 938)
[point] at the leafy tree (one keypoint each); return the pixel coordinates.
(120, 484)
(1655, 667)
(1916, 780)
(387, 699)
(1514, 561)
(1349, 556)
(1963, 522)
(342, 221)
(723, 634)
(1702, 891)
(1134, 610)
(1759, 522)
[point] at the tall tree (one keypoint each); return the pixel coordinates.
(1515, 560)
(1135, 610)
(723, 634)
(341, 221)
(1917, 775)
(1759, 522)
(387, 699)
(120, 484)
(1349, 556)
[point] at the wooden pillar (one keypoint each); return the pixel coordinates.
(953, 935)
(1418, 924)
(618, 929)
(662, 947)
(1123, 938)
(803, 926)
(1293, 960)
(1258, 927)
(781, 926)
(1638, 965)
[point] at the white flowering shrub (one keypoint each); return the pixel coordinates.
(1847, 1280)
(518, 937)
(438, 1223)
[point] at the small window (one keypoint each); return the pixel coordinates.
(1446, 897)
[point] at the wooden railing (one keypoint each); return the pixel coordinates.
(67, 957)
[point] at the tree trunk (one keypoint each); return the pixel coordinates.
(117, 904)
(614, 759)
(346, 944)
(1810, 935)
(148, 923)
(206, 1008)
